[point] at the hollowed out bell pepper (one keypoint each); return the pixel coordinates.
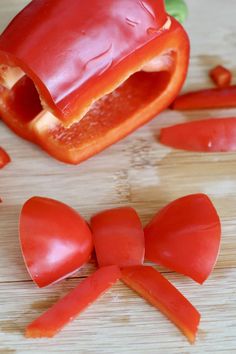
(55, 240)
(209, 135)
(70, 306)
(95, 71)
(4, 158)
(159, 292)
(118, 237)
(185, 237)
(206, 99)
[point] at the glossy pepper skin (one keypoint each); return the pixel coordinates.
(55, 240)
(206, 99)
(208, 135)
(79, 60)
(118, 237)
(185, 237)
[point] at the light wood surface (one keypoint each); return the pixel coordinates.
(139, 172)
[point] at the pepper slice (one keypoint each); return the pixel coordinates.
(206, 99)
(185, 237)
(118, 237)
(4, 158)
(70, 306)
(221, 76)
(99, 75)
(209, 135)
(55, 240)
(159, 292)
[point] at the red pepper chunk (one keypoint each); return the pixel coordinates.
(206, 99)
(160, 293)
(209, 135)
(100, 75)
(185, 237)
(118, 237)
(70, 306)
(4, 158)
(221, 76)
(55, 240)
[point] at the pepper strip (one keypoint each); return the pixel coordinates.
(70, 306)
(109, 86)
(209, 135)
(206, 99)
(160, 293)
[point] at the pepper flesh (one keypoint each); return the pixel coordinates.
(118, 237)
(55, 240)
(70, 306)
(206, 99)
(103, 94)
(4, 158)
(209, 135)
(221, 76)
(185, 237)
(160, 293)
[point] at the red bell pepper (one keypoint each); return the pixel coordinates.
(210, 135)
(185, 237)
(206, 99)
(4, 158)
(159, 292)
(221, 76)
(100, 74)
(70, 306)
(55, 240)
(118, 237)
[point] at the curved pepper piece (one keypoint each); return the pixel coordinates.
(107, 71)
(209, 135)
(118, 237)
(55, 240)
(159, 292)
(185, 237)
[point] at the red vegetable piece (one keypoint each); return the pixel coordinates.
(185, 237)
(99, 76)
(209, 135)
(206, 99)
(4, 158)
(87, 62)
(55, 240)
(70, 306)
(118, 237)
(159, 292)
(221, 76)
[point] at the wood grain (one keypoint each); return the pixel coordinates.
(138, 172)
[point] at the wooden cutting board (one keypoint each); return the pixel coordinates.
(138, 172)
